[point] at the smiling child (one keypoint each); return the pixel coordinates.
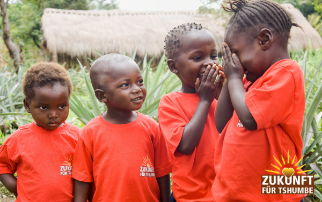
(122, 151)
(42, 152)
(186, 117)
(259, 116)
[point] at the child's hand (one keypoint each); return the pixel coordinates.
(231, 63)
(207, 89)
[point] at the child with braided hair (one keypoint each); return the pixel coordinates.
(186, 117)
(259, 116)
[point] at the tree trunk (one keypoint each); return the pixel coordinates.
(13, 50)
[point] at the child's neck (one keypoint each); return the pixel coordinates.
(187, 89)
(119, 116)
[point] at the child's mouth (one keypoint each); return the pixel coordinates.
(201, 75)
(137, 99)
(53, 124)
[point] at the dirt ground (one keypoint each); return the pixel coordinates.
(7, 199)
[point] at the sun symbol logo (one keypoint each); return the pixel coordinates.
(147, 162)
(68, 161)
(287, 169)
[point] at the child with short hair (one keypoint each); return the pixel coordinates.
(259, 116)
(42, 152)
(186, 116)
(122, 151)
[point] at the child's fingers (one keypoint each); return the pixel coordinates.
(226, 52)
(236, 61)
(197, 84)
(218, 81)
(205, 75)
(213, 78)
(211, 73)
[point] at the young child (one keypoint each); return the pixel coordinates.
(42, 152)
(261, 115)
(122, 151)
(186, 116)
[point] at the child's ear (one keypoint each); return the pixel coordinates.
(265, 38)
(172, 66)
(26, 104)
(100, 95)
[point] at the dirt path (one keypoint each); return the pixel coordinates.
(7, 199)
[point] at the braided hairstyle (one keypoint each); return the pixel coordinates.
(172, 41)
(260, 12)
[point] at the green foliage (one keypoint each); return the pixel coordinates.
(316, 22)
(305, 6)
(318, 5)
(103, 5)
(11, 98)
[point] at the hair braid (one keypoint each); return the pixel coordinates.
(172, 40)
(260, 12)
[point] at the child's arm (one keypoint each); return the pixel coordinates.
(164, 186)
(224, 109)
(10, 182)
(234, 72)
(81, 191)
(207, 91)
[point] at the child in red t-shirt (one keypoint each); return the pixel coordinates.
(42, 152)
(186, 116)
(259, 116)
(122, 151)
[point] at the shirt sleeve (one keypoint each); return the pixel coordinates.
(83, 161)
(162, 156)
(8, 159)
(172, 127)
(272, 101)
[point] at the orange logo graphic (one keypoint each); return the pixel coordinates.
(66, 167)
(68, 161)
(287, 169)
(287, 179)
(147, 170)
(147, 162)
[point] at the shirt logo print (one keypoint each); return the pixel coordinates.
(66, 167)
(147, 169)
(240, 125)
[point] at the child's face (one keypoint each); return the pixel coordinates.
(246, 46)
(198, 50)
(123, 87)
(50, 105)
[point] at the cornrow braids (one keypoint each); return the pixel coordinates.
(260, 12)
(173, 42)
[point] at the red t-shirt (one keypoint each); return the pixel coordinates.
(42, 160)
(193, 174)
(277, 102)
(123, 160)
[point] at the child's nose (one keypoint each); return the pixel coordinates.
(53, 114)
(136, 89)
(209, 62)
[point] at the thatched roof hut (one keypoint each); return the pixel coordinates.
(80, 33)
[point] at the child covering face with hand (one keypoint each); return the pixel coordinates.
(186, 117)
(259, 116)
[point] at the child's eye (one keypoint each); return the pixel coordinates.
(124, 85)
(214, 56)
(140, 81)
(61, 106)
(42, 107)
(197, 58)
